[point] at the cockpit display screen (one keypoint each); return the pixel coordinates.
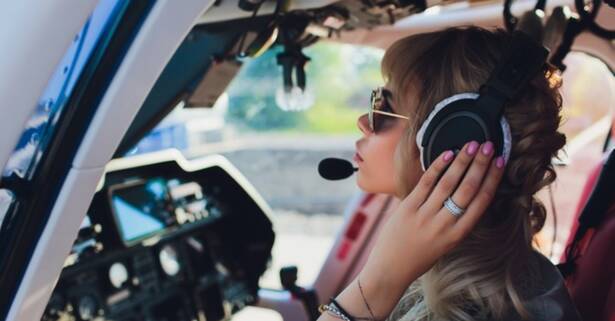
(141, 209)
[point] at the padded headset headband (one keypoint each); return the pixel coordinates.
(523, 60)
(470, 116)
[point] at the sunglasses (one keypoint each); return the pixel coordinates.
(380, 107)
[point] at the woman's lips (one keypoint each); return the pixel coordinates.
(357, 158)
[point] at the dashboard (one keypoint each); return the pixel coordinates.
(166, 239)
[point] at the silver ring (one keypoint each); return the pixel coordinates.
(455, 209)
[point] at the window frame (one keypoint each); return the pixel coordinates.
(30, 212)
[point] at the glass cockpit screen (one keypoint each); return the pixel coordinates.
(140, 209)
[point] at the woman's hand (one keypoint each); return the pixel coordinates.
(421, 229)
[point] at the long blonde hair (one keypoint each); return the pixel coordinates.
(491, 273)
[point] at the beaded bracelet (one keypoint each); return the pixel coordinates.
(339, 307)
(336, 309)
(331, 308)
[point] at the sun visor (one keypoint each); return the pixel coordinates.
(214, 82)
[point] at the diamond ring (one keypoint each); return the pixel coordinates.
(455, 209)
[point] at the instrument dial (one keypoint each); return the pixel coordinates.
(118, 274)
(169, 260)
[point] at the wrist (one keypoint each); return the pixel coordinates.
(386, 280)
(369, 297)
(381, 292)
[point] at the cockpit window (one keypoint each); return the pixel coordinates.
(6, 201)
(339, 81)
(40, 127)
(276, 140)
(588, 92)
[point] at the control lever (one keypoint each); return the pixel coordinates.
(288, 278)
(85, 244)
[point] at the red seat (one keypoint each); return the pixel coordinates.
(589, 260)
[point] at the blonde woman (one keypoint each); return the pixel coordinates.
(428, 264)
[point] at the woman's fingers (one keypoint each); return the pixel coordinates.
(473, 179)
(428, 180)
(481, 201)
(451, 178)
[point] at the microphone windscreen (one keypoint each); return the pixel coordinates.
(335, 168)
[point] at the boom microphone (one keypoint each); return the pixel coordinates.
(335, 168)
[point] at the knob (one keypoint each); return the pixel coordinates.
(87, 307)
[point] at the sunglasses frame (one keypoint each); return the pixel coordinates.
(377, 103)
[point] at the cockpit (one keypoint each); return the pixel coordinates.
(168, 171)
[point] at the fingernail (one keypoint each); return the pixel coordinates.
(487, 148)
(472, 148)
(499, 163)
(448, 155)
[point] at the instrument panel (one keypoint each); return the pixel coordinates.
(166, 239)
(145, 208)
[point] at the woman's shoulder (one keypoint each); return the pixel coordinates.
(549, 300)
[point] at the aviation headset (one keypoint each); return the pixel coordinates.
(464, 117)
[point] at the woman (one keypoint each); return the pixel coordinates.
(428, 264)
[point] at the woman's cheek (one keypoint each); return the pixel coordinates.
(375, 175)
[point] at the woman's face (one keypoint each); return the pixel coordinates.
(376, 154)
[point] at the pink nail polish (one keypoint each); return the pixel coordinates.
(448, 155)
(487, 148)
(472, 148)
(499, 163)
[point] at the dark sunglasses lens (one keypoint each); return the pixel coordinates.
(372, 116)
(372, 121)
(375, 122)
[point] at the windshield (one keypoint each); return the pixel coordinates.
(278, 150)
(41, 125)
(339, 82)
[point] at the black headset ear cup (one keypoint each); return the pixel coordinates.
(451, 126)
(464, 117)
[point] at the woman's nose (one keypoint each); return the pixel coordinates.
(362, 123)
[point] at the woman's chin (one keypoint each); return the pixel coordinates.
(368, 186)
(364, 184)
(360, 180)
